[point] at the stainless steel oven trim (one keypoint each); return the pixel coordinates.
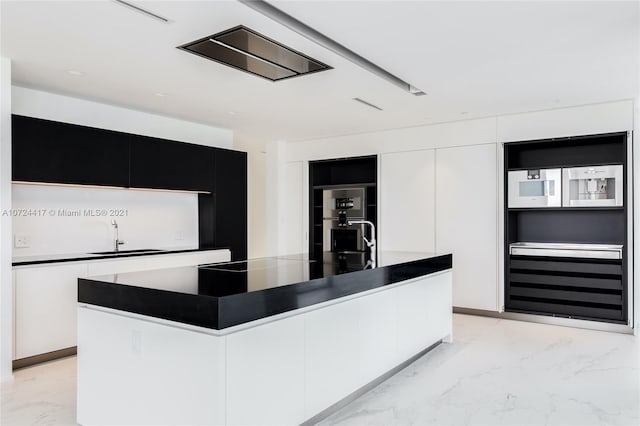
(585, 251)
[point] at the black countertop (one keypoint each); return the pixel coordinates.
(223, 295)
(74, 257)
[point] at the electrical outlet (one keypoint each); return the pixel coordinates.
(21, 241)
(179, 235)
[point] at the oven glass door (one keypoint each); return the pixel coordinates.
(535, 188)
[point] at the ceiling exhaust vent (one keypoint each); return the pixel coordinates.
(249, 51)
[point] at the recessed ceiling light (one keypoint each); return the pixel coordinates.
(232, 113)
(464, 113)
(75, 73)
(161, 95)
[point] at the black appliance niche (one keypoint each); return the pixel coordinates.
(359, 173)
(591, 289)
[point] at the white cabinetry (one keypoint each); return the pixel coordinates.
(283, 372)
(46, 296)
(265, 374)
(445, 201)
(46, 301)
(407, 192)
(378, 326)
(332, 355)
(466, 222)
(423, 314)
(153, 374)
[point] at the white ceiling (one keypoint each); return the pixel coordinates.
(474, 59)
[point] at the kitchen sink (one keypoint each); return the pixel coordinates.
(125, 251)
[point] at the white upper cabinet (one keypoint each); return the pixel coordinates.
(407, 193)
(466, 222)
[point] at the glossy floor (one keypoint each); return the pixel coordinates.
(501, 372)
(496, 372)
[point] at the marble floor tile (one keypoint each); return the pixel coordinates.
(502, 372)
(44, 394)
(496, 372)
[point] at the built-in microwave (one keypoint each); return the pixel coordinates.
(535, 188)
(592, 186)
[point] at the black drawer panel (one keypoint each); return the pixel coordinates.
(587, 312)
(567, 296)
(579, 288)
(544, 264)
(566, 281)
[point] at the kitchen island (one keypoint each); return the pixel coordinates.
(268, 341)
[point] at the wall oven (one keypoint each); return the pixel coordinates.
(339, 205)
(535, 188)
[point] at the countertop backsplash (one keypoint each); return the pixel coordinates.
(50, 219)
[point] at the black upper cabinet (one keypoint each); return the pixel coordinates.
(231, 202)
(164, 164)
(52, 152)
(49, 151)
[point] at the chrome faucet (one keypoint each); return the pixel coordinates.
(370, 243)
(117, 242)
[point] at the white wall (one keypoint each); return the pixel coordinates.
(6, 290)
(50, 106)
(58, 219)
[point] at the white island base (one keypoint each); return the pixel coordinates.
(285, 370)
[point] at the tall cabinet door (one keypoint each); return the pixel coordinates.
(231, 202)
(407, 214)
(466, 222)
